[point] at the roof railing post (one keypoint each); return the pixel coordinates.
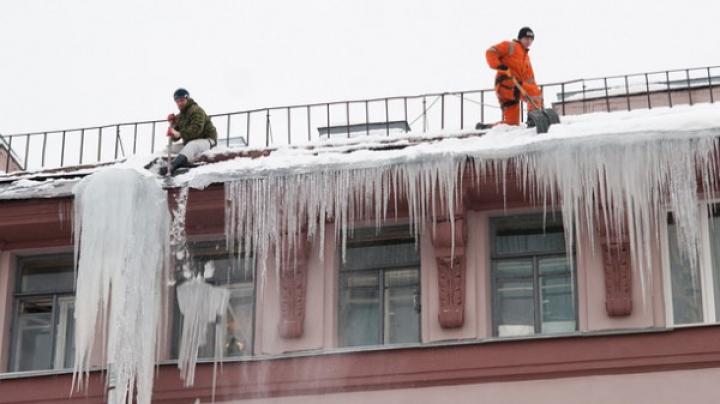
(152, 138)
(482, 106)
(387, 118)
(27, 150)
(647, 89)
(247, 130)
(82, 145)
(347, 117)
(689, 86)
(227, 132)
(117, 140)
(424, 114)
(289, 121)
(42, 160)
(607, 95)
(267, 127)
(135, 138)
(99, 151)
(9, 152)
(627, 92)
(710, 86)
(405, 106)
(442, 111)
(62, 151)
(669, 89)
(308, 124)
(367, 118)
(462, 110)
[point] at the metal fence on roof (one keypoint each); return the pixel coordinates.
(297, 124)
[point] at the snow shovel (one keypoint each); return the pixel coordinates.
(539, 118)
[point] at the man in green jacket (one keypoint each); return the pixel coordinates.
(193, 127)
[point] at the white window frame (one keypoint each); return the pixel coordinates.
(704, 265)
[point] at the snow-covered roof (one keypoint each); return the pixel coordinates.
(502, 142)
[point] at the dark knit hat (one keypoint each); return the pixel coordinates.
(526, 32)
(181, 93)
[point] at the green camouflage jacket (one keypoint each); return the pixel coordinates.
(193, 123)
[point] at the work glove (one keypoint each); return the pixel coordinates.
(502, 69)
(173, 133)
(171, 118)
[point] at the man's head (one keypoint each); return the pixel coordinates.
(526, 36)
(181, 97)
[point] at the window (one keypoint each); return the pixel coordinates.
(43, 323)
(380, 289)
(533, 285)
(223, 269)
(695, 295)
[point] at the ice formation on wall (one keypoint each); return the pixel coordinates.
(121, 230)
(200, 304)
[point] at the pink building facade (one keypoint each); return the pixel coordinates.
(486, 306)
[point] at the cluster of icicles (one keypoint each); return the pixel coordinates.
(630, 183)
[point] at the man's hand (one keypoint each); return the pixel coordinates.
(502, 69)
(171, 132)
(171, 118)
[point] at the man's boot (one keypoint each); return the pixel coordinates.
(179, 161)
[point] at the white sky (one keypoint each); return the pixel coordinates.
(77, 63)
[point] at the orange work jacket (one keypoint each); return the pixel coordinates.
(515, 57)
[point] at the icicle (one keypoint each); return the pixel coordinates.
(121, 228)
(200, 304)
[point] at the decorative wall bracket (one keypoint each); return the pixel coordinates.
(451, 269)
(293, 289)
(618, 270)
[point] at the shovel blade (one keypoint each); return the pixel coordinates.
(542, 119)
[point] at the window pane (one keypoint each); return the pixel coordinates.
(379, 256)
(715, 247)
(359, 311)
(238, 337)
(65, 334)
(557, 305)
(43, 275)
(402, 277)
(34, 336)
(687, 296)
(402, 321)
(516, 311)
(554, 266)
(514, 268)
(528, 234)
(369, 279)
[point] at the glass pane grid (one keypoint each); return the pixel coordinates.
(533, 286)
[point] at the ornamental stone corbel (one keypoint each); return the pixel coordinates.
(293, 289)
(617, 266)
(451, 265)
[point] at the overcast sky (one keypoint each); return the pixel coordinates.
(77, 63)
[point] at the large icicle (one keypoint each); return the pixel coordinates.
(200, 303)
(121, 231)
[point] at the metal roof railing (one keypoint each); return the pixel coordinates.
(297, 124)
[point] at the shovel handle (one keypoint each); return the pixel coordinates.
(524, 93)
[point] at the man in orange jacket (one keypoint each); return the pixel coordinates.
(511, 59)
